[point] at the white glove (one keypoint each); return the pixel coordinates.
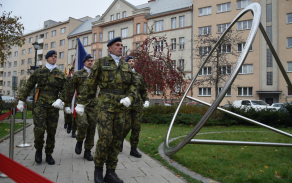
(20, 105)
(126, 101)
(67, 110)
(79, 109)
(58, 104)
(146, 104)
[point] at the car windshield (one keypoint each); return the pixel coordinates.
(259, 102)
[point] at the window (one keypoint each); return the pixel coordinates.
(181, 21)
(124, 14)
(269, 78)
(244, 91)
(111, 35)
(223, 7)
(269, 58)
(205, 30)
(205, 11)
(100, 37)
(8, 84)
(228, 93)
(243, 25)
(63, 30)
(137, 45)
(289, 18)
(61, 67)
(289, 42)
(205, 71)
(9, 64)
(85, 41)
(94, 54)
(14, 73)
(243, 3)
(240, 47)
(29, 61)
(225, 48)
(30, 40)
(173, 23)
(15, 64)
(22, 62)
(246, 69)
(173, 44)
(222, 27)
(204, 50)
(72, 58)
(46, 46)
(159, 46)
(99, 54)
(36, 38)
(124, 32)
(95, 38)
(145, 27)
(159, 25)
(9, 74)
(181, 63)
(124, 50)
(62, 42)
(138, 28)
(53, 33)
(61, 54)
(10, 55)
(22, 72)
(73, 43)
(47, 34)
(269, 13)
(225, 69)
(29, 50)
(118, 16)
(112, 17)
(204, 91)
(289, 91)
(269, 31)
(289, 66)
(53, 44)
(23, 52)
(181, 43)
(4, 74)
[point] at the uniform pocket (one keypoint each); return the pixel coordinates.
(126, 75)
(108, 74)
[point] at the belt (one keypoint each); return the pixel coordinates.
(91, 96)
(114, 91)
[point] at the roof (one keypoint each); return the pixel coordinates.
(85, 27)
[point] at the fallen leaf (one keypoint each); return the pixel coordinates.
(142, 136)
(226, 177)
(224, 151)
(210, 170)
(149, 137)
(249, 176)
(211, 181)
(242, 148)
(152, 139)
(146, 144)
(191, 125)
(159, 136)
(215, 156)
(177, 175)
(245, 146)
(266, 167)
(162, 156)
(276, 150)
(171, 160)
(276, 173)
(278, 176)
(261, 170)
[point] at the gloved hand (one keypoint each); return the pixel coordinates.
(126, 101)
(67, 110)
(146, 104)
(20, 105)
(79, 109)
(58, 104)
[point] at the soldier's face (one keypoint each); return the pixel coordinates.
(116, 48)
(88, 63)
(131, 63)
(52, 59)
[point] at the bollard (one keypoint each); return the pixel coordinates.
(24, 129)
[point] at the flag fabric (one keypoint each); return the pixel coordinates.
(65, 71)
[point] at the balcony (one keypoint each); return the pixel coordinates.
(1, 78)
(41, 40)
(1, 69)
(40, 52)
(1, 87)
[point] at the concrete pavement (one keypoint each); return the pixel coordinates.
(73, 168)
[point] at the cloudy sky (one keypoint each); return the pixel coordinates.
(35, 12)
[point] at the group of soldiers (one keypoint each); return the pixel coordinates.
(116, 110)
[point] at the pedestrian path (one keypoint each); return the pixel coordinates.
(72, 168)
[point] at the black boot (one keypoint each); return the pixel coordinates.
(121, 149)
(87, 155)
(50, 159)
(112, 177)
(38, 156)
(135, 153)
(98, 177)
(69, 128)
(78, 147)
(73, 134)
(65, 125)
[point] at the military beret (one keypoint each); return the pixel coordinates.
(116, 39)
(128, 58)
(50, 53)
(87, 57)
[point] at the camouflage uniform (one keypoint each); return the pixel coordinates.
(114, 83)
(50, 84)
(87, 122)
(134, 112)
(68, 117)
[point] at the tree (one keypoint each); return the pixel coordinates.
(220, 64)
(153, 62)
(10, 34)
(21, 87)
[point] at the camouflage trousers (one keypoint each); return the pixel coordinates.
(69, 119)
(133, 122)
(74, 125)
(86, 126)
(110, 131)
(45, 119)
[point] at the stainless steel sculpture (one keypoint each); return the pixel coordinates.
(255, 8)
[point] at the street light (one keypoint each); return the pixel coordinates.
(36, 47)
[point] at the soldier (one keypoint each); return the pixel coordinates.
(50, 82)
(69, 116)
(134, 112)
(117, 90)
(86, 123)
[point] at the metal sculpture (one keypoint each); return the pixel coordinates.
(255, 8)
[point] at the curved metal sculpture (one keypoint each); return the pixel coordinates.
(255, 8)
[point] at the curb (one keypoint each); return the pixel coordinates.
(15, 132)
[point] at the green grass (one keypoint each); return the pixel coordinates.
(226, 163)
(5, 128)
(19, 114)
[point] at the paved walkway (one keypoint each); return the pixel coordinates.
(73, 168)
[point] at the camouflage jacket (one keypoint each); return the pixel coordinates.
(109, 76)
(77, 83)
(50, 85)
(142, 94)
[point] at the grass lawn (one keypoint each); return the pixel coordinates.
(226, 163)
(5, 128)
(19, 114)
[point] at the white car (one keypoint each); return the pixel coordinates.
(278, 106)
(258, 105)
(8, 99)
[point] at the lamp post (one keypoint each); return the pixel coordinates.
(36, 47)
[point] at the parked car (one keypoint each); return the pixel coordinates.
(29, 99)
(227, 106)
(278, 106)
(167, 103)
(250, 103)
(195, 104)
(8, 99)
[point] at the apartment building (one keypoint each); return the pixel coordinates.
(259, 77)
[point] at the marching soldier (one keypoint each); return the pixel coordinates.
(134, 112)
(50, 83)
(86, 123)
(117, 90)
(69, 116)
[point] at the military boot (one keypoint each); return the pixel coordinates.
(112, 177)
(78, 147)
(87, 155)
(69, 128)
(50, 159)
(65, 125)
(38, 156)
(98, 177)
(121, 149)
(134, 152)
(73, 134)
